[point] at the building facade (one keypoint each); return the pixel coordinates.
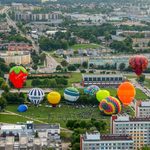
(138, 128)
(102, 79)
(142, 109)
(96, 141)
(17, 57)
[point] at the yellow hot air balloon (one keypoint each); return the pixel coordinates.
(53, 98)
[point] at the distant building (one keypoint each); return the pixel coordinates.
(96, 141)
(4, 27)
(17, 57)
(138, 128)
(142, 108)
(29, 16)
(102, 79)
(22, 136)
(19, 47)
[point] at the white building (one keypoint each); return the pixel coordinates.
(102, 79)
(138, 128)
(96, 141)
(142, 108)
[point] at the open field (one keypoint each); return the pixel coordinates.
(84, 46)
(147, 83)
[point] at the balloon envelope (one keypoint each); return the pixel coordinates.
(36, 95)
(126, 93)
(71, 94)
(22, 108)
(102, 94)
(110, 105)
(138, 63)
(18, 76)
(91, 90)
(54, 98)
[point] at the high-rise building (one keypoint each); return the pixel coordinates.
(96, 141)
(138, 128)
(142, 108)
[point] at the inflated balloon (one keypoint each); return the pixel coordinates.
(53, 98)
(22, 108)
(138, 63)
(126, 93)
(91, 90)
(36, 95)
(18, 76)
(110, 105)
(71, 94)
(102, 94)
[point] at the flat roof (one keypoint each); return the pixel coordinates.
(102, 75)
(46, 126)
(12, 127)
(110, 137)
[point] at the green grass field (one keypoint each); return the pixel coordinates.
(11, 118)
(84, 46)
(147, 83)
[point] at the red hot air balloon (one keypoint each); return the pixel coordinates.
(138, 63)
(18, 76)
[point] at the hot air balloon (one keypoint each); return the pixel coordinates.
(53, 98)
(102, 94)
(18, 76)
(126, 92)
(91, 90)
(138, 63)
(36, 95)
(71, 94)
(22, 108)
(110, 105)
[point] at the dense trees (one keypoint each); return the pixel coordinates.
(122, 46)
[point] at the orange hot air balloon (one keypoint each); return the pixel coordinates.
(126, 93)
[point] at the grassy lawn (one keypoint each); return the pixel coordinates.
(140, 95)
(75, 78)
(57, 115)
(147, 83)
(6, 118)
(84, 46)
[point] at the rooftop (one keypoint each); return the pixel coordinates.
(46, 126)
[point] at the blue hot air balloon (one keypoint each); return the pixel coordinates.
(22, 108)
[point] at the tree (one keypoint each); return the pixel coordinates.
(1, 81)
(148, 44)
(71, 68)
(141, 78)
(76, 146)
(5, 87)
(85, 64)
(3, 103)
(36, 135)
(35, 67)
(64, 63)
(42, 57)
(58, 68)
(36, 82)
(122, 66)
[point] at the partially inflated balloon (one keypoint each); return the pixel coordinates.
(22, 108)
(102, 94)
(18, 76)
(138, 63)
(91, 90)
(53, 98)
(126, 93)
(110, 105)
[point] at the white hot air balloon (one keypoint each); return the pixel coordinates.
(36, 95)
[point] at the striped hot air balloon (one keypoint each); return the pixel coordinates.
(36, 95)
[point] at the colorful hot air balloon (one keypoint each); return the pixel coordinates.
(71, 94)
(102, 94)
(91, 90)
(22, 108)
(53, 98)
(138, 63)
(110, 105)
(36, 95)
(126, 92)
(18, 76)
